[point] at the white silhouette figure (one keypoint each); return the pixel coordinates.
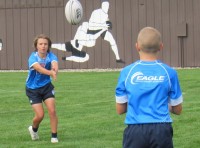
(87, 34)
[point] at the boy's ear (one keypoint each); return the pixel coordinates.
(161, 46)
(137, 46)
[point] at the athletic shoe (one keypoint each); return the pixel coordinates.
(64, 58)
(54, 140)
(34, 135)
(120, 61)
(75, 52)
(68, 46)
(76, 58)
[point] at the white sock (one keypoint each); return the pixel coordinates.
(58, 46)
(115, 50)
(78, 59)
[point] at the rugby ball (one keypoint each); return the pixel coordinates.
(73, 12)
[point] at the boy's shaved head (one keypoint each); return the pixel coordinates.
(149, 40)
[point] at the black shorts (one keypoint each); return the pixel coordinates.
(96, 31)
(158, 135)
(39, 95)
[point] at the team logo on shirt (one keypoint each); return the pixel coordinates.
(140, 77)
(42, 64)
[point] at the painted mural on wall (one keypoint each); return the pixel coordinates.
(1, 44)
(87, 34)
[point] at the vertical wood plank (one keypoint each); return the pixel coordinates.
(16, 39)
(60, 34)
(38, 21)
(2, 4)
(158, 20)
(38, 3)
(9, 3)
(84, 65)
(166, 31)
(23, 4)
(24, 38)
(119, 25)
(9, 38)
(52, 3)
(189, 43)
(3, 52)
(196, 14)
(30, 3)
(16, 4)
(173, 37)
(45, 3)
(150, 13)
(135, 28)
(112, 17)
(90, 6)
(102, 47)
(67, 37)
(127, 31)
(59, 3)
(142, 13)
(45, 17)
(31, 29)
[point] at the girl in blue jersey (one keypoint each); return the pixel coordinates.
(43, 64)
(147, 91)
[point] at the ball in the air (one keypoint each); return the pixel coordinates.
(74, 12)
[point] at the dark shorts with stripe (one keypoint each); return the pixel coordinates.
(96, 31)
(156, 135)
(39, 95)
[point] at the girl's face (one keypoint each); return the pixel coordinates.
(42, 46)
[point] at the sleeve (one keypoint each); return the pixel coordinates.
(53, 57)
(175, 94)
(32, 60)
(120, 91)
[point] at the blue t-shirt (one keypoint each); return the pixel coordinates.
(35, 79)
(148, 87)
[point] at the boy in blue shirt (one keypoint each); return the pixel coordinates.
(147, 91)
(43, 64)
